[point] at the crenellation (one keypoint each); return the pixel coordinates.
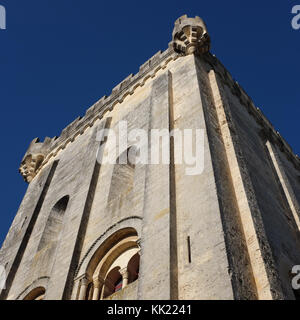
(122, 85)
(127, 86)
(99, 105)
(144, 66)
(67, 131)
(87, 229)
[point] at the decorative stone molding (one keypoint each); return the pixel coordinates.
(40, 282)
(127, 87)
(190, 36)
(124, 223)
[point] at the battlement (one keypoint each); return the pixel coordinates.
(189, 36)
(39, 153)
(86, 224)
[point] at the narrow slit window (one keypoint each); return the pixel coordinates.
(189, 249)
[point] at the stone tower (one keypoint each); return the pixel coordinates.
(93, 230)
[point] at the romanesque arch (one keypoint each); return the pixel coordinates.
(51, 236)
(114, 265)
(35, 291)
(54, 224)
(122, 182)
(36, 294)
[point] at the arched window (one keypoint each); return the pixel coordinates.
(51, 235)
(54, 224)
(36, 294)
(122, 181)
(114, 266)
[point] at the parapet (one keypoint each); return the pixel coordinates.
(39, 153)
(189, 37)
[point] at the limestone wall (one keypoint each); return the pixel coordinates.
(278, 220)
(230, 232)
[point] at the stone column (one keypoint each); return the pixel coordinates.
(102, 292)
(125, 274)
(83, 288)
(98, 283)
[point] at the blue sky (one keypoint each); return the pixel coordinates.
(59, 57)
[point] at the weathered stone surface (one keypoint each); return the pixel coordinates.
(230, 232)
(190, 36)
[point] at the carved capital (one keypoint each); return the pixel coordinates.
(190, 36)
(84, 281)
(98, 282)
(124, 273)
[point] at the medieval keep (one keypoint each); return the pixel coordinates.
(92, 231)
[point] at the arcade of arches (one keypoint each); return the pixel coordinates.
(113, 267)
